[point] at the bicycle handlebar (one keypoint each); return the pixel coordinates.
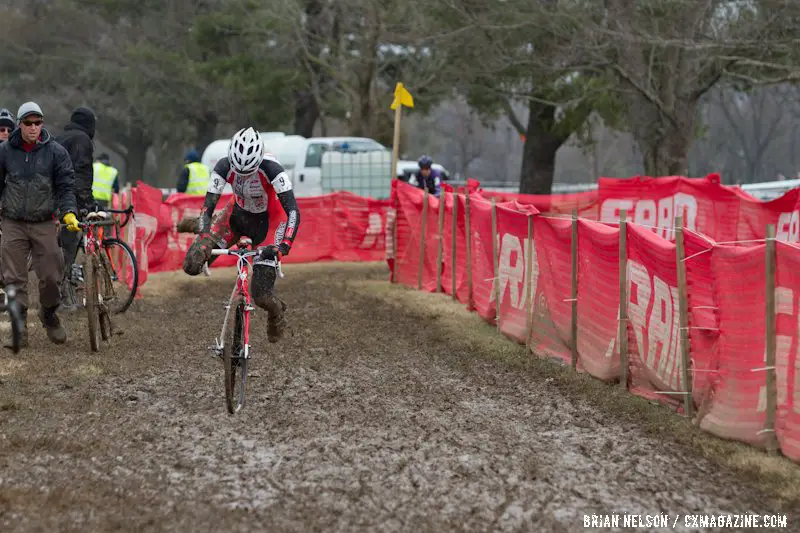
(96, 223)
(127, 211)
(241, 252)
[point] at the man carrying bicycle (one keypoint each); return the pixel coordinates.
(256, 179)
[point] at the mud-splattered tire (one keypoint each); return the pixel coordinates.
(92, 285)
(116, 274)
(233, 357)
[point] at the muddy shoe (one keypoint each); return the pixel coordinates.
(55, 331)
(197, 255)
(187, 225)
(276, 325)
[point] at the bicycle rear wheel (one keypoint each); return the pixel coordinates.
(92, 284)
(233, 357)
(122, 274)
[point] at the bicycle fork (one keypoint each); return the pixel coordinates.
(219, 342)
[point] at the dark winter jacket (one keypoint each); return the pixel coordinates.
(36, 185)
(77, 139)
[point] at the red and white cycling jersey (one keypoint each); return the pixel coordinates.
(251, 191)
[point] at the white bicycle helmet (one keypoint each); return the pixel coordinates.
(246, 151)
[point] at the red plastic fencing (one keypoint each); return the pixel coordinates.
(723, 213)
(335, 227)
(725, 289)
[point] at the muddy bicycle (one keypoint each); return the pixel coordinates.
(233, 343)
(120, 269)
(99, 273)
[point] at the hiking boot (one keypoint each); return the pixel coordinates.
(23, 340)
(276, 324)
(52, 324)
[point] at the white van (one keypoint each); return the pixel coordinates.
(302, 157)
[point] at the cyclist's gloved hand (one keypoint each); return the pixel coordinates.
(283, 248)
(71, 221)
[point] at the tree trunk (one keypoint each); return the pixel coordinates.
(136, 147)
(205, 128)
(665, 142)
(539, 152)
(306, 113)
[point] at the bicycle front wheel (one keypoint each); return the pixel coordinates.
(121, 272)
(233, 357)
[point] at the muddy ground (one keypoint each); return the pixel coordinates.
(374, 416)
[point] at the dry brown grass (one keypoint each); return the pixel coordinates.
(775, 474)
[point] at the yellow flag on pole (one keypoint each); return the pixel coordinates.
(402, 97)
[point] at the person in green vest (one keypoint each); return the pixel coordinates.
(195, 175)
(105, 181)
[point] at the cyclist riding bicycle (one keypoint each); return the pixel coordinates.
(256, 178)
(427, 177)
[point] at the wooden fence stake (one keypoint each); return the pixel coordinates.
(683, 316)
(395, 247)
(424, 229)
(574, 257)
(772, 389)
(623, 298)
(440, 250)
(530, 293)
(495, 262)
(453, 269)
(468, 223)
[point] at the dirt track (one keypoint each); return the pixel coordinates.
(374, 418)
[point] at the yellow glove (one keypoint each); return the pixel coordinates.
(71, 221)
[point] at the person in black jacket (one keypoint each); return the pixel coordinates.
(77, 139)
(36, 183)
(7, 124)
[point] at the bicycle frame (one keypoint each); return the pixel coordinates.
(244, 267)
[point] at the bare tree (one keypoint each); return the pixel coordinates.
(666, 54)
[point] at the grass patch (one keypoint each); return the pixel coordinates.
(87, 371)
(777, 476)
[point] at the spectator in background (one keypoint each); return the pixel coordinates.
(77, 138)
(427, 177)
(36, 183)
(105, 182)
(7, 124)
(195, 175)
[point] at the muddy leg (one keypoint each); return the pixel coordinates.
(264, 296)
